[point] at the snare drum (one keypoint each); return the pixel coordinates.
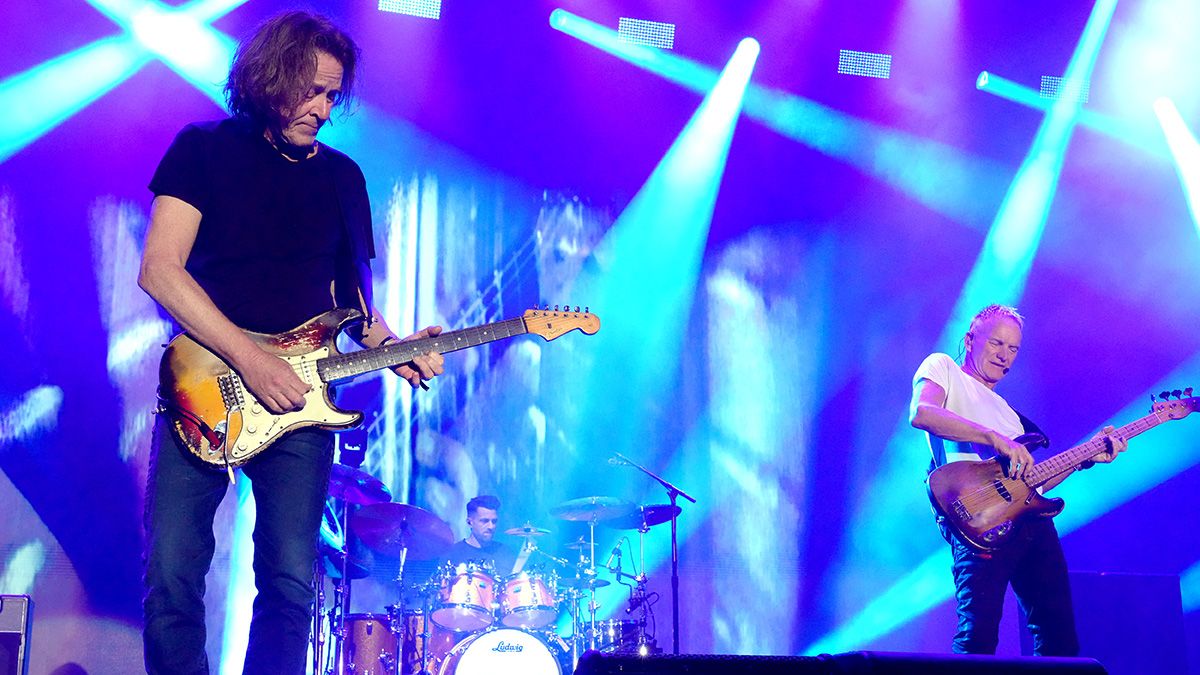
(527, 600)
(371, 647)
(501, 652)
(466, 595)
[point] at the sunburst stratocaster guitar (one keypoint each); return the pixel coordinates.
(221, 422)
(984, 507)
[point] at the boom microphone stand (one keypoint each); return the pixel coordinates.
(672, 493)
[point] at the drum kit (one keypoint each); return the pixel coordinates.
(469, 618)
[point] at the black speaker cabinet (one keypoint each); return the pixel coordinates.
(866, 663)
(1132, 623)
(16, 616)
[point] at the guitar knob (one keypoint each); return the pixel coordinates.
(256, 409)
(251, 429)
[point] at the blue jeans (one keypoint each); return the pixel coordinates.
(290, 481)
(1033, 562)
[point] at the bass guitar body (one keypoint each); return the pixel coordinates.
(984, 507)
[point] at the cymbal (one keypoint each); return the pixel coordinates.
(527, 530)
(356, 486)
(645, 516)
(579, 544)
(582, 582)
(592, 508)
(388, 528)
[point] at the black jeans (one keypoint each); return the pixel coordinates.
(1033, 562)
(290, 480)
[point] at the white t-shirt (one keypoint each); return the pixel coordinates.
(969, 398)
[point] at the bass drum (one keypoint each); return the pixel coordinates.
(506, 651)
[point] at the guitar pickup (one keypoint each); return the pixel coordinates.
(960, 511)
(1003, 491)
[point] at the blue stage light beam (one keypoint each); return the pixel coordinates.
(186, 43)
(1108, 125)
(943, 178)
(1186, 151)
(34, 411)
(52, 92)
(1000, 271)
(1189, 586)
(655, 248)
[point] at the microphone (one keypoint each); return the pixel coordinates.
(1006, 370)
(616, 553)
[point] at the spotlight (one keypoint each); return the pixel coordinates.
(648, 33)
(426, 9)
(864, 64)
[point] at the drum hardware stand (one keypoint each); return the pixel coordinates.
(673, 493)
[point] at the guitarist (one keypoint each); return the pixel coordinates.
(256, 226)
(965, 419)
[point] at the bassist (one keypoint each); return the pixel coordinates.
(965, 419)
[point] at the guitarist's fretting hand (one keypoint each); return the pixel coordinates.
(273, 382)
(424, 367)
(1115, 445)
(1019, 459)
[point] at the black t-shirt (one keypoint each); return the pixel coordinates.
(272, 237)
(501, 556)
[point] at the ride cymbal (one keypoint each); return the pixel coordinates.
(593, 508)
(643, 517)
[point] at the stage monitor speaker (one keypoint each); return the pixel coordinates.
(854, 663)
(16, 617)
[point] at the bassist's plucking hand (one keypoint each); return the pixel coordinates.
(1019, 461)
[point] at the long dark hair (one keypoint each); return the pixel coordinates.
(274, 69)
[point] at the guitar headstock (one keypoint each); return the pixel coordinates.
(1177, 408)
(551, 323)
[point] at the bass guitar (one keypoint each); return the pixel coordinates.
(221, 422)
(984, 507)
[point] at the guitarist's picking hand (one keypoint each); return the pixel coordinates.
(1114, 445)
(1019, 459)
(274, 383)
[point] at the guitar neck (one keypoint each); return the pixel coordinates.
(1068, 460)
(343, 366)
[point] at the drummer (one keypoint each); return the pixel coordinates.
(483, 516)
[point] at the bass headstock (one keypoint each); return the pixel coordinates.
(551, 323)
(1167, 408)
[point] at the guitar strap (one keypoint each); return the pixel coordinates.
(356, 224)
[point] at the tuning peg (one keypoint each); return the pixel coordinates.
(1164, 395)
(1177, 394)
(1153, 399)
(1187, 392)
(586, 310)
(576, 309)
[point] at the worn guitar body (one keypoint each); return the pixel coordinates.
(223, 424)
(208, 403)
(984, 508)
(983, 505)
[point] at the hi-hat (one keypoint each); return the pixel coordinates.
(644, 517)
(527, 530)
(593, 508)
(389, 528)
(356, 486)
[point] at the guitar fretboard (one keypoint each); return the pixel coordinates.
(343, 366)
(1069, 459)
